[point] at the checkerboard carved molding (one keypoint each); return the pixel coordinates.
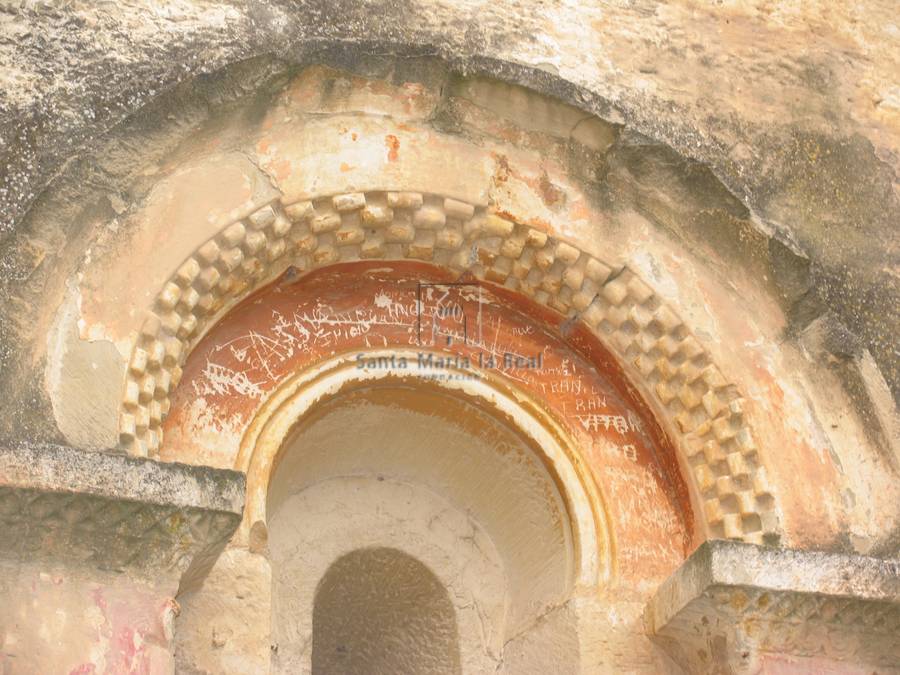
(115, 513)
(653, 343)
(740, 600)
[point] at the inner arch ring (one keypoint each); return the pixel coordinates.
(302, 392)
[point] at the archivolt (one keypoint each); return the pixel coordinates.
(297, 396)
(700, 408)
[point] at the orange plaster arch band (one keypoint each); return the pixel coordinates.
(699, 408)
(285, 407)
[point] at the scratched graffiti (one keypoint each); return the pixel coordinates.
(245, 364)
(221, 380)
(594, 422)
(235, 367)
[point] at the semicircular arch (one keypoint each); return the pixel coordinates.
(694, 401)
(286, 407)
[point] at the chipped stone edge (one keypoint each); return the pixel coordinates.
(55, 468)
(731, 595)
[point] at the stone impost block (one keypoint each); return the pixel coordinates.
(153, 520)
(732, 603)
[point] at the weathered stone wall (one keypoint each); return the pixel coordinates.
(94, 549)
(708, 191)
(224, 205)
(792, 106)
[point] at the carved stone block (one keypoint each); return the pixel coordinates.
(732, 603)
(115, 513)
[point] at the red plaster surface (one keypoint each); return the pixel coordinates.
(294, 323)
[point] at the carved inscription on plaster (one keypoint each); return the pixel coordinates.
(348, 310)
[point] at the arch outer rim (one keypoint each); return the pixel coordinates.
(691, 397)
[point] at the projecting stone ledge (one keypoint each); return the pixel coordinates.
(115, 513)
(733, 607)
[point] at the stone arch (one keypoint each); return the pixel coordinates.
(694, 401)
(307, 390)
(351, 474)
(810, 173)
(401, 618)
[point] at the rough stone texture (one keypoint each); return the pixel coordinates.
(115, 513)
(404, 623)
(804, 133)
(101, 544)
(382, 513)
(730, 603)
(224, 626)
(671, 162)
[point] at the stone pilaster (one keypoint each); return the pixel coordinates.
(102, 544)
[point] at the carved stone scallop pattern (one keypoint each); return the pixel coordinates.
(620, 308)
